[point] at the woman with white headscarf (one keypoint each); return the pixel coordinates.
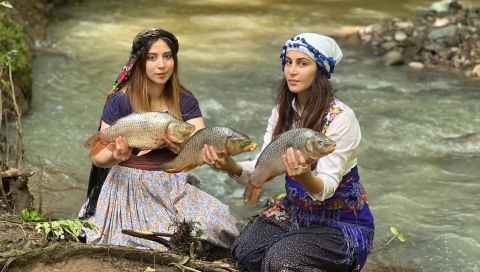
(324, 222)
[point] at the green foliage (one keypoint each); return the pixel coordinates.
(63, 229)
(245, 143)
(32, 216)
(59, 228)
(14, 50)
(396, 234)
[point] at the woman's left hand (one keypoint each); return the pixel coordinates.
(211, 157)
(174, 147)
(295, 163)
(219, 160)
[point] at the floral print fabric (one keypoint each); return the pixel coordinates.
(145, 200)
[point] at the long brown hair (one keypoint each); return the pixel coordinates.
(320, 96)
(137, 85)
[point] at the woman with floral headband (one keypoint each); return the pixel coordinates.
(136, 195)
(324, 222)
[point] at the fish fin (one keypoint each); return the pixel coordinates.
(252, 193)
(99, 146)
(143, 152)
(92, 141)
(169, 168)
(95, 143)
(189, 168)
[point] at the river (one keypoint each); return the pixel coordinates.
(420, 153)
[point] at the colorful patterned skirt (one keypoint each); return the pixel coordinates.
(143, 200)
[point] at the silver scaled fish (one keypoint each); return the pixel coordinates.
(226, 140)
(311, 143)
(146, 131)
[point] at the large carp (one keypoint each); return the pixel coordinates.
(224, 139)
(145, 131)
(311, 143)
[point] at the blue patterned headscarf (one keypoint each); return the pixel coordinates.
(324, 50)
(138, 46)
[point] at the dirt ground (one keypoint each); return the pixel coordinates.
(23, 249)
(83, 264)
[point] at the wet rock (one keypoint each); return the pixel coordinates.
(445, 6)
(400, 36)
(446, 36)
(476, 70)
(416, 65)
(442, 33)
(392, 58)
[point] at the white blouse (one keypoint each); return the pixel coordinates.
(344, 130)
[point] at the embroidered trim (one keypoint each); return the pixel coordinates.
(332, 112)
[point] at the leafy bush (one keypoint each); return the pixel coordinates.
(68, 229)
(32, 216)
(14, 48)
(58, 229)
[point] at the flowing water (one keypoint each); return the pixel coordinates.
(420, 154)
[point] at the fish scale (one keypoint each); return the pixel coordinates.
(150, 126)
(217, 136)
(270, 162)
(146, 130)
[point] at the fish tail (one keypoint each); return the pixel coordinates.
(95, 144)
(169, 168)
(252, 193)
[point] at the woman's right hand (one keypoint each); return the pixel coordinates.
(121, 151)
(174, 147)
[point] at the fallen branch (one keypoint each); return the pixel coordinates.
(15, 173)
(150, 236)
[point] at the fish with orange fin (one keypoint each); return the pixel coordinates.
(225, 139)
(146, 131)
(311, 143)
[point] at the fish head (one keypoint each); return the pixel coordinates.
(179, 131)
(236, 144)
(318, 146)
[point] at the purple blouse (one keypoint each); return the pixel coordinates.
(118, 105)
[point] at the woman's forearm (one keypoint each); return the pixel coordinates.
(311, 183)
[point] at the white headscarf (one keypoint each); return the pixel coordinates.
(324, 50)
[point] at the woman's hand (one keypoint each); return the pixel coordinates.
(220, 160)
(174, 147)
(211, 157)
(295, 163)
(122, 151)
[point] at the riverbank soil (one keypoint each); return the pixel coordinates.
(23, 248)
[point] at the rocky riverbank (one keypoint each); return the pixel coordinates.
(445, 36)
